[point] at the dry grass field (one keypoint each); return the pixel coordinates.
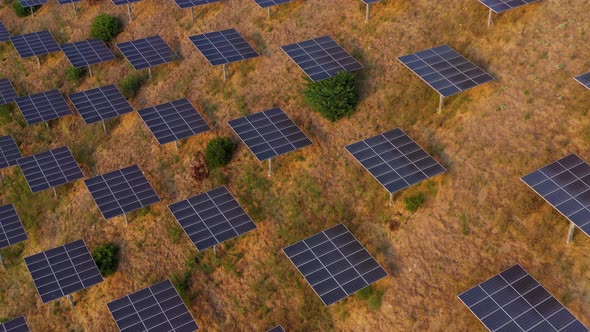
(478, 218)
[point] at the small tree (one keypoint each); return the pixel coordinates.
(74, 74)
(335, 97)
(106, 258)
(105, 27)
(130, 85)
(21, 11)
(414, 202)
(219, 152)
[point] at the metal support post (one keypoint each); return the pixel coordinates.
(570, 233)
(129, 12)
(270, 167)
(215, 247)
(368, 13)
(177, 145)
(71, 299)
(2, 262)
(390, 199)
(54, 192)
(150, 72)
(90, 71)
(104, 126)
(32, 12)
(268, 11)
(193, 13)
(38, 62)
(126, 220)
(441, 103)
(47, 125)
(224, 73)
(75, 10)
(490, 22)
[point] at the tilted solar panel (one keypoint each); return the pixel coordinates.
(9, 152)
(87, 52)
(43, 107)
(64, 2)
(16, 325)
(7, 92)
(31, 3)
(35, 44)
(499, 6)
(223, 47)
(124, 2)
(100, 104)
(50, 169)
(183, 4)
(11, 227)
(584, 80)
(277, 329)
(147, 52)
(4, 34)
(270, 3)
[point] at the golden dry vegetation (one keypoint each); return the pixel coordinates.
(478, 218)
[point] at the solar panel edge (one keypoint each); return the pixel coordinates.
(24, 231)
(578, 79)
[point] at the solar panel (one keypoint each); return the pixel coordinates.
(34, 44)
(121, 191)
(87, 52)
(499, 6)
(270, 3)
(7, 92)
(445, 70)
(50, 169)
(124, 2)
(212, 218)
(148, 52)
(173, 121)
(584, 80)
(270, 133)
(321, 58)
(183, 4)
(514, 301)
(4, 34)
(64, 2)
(15, 325)
(565, 184)
(100, 104)
(11, 228)
(156, 308)
(31, 3)
(43, 107)
(223, 47)
(277, 329)
(9, 152)
(334, 263)
(395, 160)
(63, 270)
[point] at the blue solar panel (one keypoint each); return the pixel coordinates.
(43, 107)
(7, 92)
(9, 152)
(31, 3)
(148, 52)
(15, 325)
(277, 329)
(35, 44)
(194, 3)
(50, 169)
(124, 2)
(11, 227)
(87, 52)
(100, 104)
(223, 47)
(584, 80)
(270, 3)
(499, 6)
(64, 2)
(4, 34)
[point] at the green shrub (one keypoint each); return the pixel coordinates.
(106, 258)
(21, 11)
(105, 27)
(219, 152)
(373, 296)
(335, 97)
(74, 74)
(414, 202)
(130, 85)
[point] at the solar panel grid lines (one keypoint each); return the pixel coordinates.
(4, 34)
(100, 104)
(35, 44)
(87, 52)
(16, 325)
(173, 121)
(31, 3)
(368, 2)
(9, 152)
(565, 185)
(270, 3)
(155, 308)
(500, 6)
(63, 270)
(223, 47)
(50, 169)
(212, 218)
(43, 107)
(445, 70)
(515, 301)
(395, 160)
(11, 227)
(321, 58)
(277, 329)
(147, 52)
(124, 2)
(334, 264)
(269, 133)
(64, 2)
(584, 80)
(183, 4)
(7, 92)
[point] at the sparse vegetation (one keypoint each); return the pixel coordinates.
(131, 84)
(107, 258)
(413, 202)
(21, 11)
(74, 74)
(105, 27)
(335, 97)
(219, 152)
(373, 296)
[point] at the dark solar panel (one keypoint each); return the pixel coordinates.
(334, 263)
(277, 329)
(124, 2)
(321, 58)
(43, 107)
(565, 184)
(63, 270)
(9, 152)
(156, 308)
(31, 3)
(270, 133)
(100, 104)
(270, 3)
(7, 92)
(35, 44)
(174, 121)
(4, 34)
(368, 2)
(514, 301)
(499, 6)
(15, 325)
(87, 52)
(50, 169)
(212, 218)
(395, 160)
(223, 47)
(445, 70)
(11, 228)
(148, 52)
(193, 3)
(64, 2)
(584, 80)
(121, 191)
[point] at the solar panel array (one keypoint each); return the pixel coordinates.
(565, 184)
(334, 263)
(277, 329)
(514, 301)
(173, 121)
(193, 3)
(156, 308)
(50, 169)
(7, 92)
(368, 2)
(223, 47)
(100, 104)
(584, 80)
(212, 218)
(11, 227)
(445, 70)
(4, 34)
(9, 152)
(63, 2)
(270, 3)
(124, 2)
(43, 107)
(35, 44)
(15, 325)
(31, 3)
(63, 270)
(147, 52)
(499, 6)
(87, 52)
(270, 133)
(321, 58)
(121, 191)
(395, 160)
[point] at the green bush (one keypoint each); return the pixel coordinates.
(106, 258)
(21, 11)
(414, 202)
(219, 152)
(130, 85)
(373, 296)
(335, 97)
(105, 27)
(74, 74)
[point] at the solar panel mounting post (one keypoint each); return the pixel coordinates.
(441, 103)
(269, 167)
(2, 262)
(268, 11)
(224, 72)
(368, 12)
(490, 22)
(71, 299)
(38, 62)
(129, 12)
(150, 72)
(104, 126)
(215, 247)
(90, 71)
(75, 11)
(193, 13)
(570, 233)
(54, 192)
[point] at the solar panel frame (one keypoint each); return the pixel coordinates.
(183, 4)
(223, 47)
(277, 328)
(211, 218)
(270, 3)
(124, 2)
(147, 52)
(584, 79)
(4, 34)
(395, 160)
(87, 52)
(65, 2)
(63, 270)
(43, 107)
(12, 230)
(9, 152)
(173, 121)
(369, 2)
(100, 104)
(334, 263)
(321, 58)
(270, 133)
(50, 169)
(445, 70)
(31, 3)
(15, 325)
(149, 309)
(513, 300)
(34, 44)
(7, 92)
(500, 6)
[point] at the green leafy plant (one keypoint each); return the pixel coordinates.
(219, 152)
(130, 85)
(74, 74)
(414, 202)
(105, 27)
(107, 258)
(21, 11)
(373, 296)
(335, 97)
